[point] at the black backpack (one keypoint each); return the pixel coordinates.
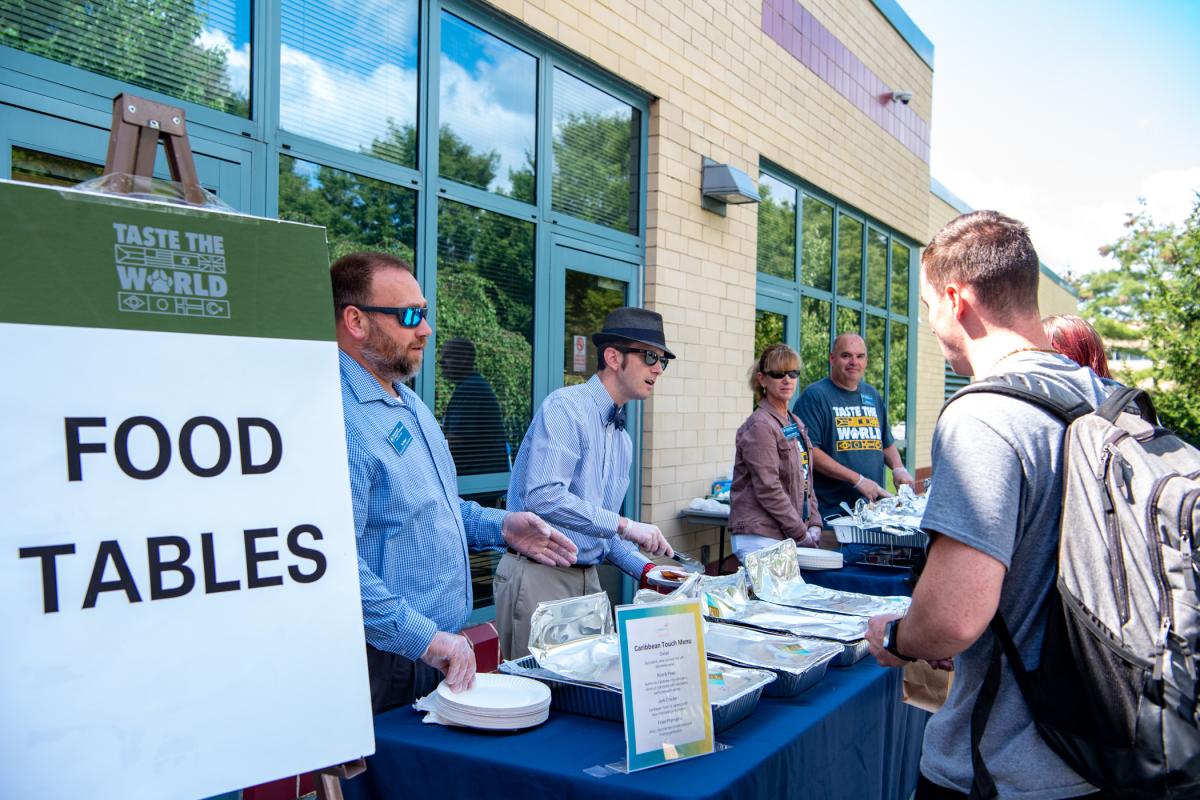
(1115, 690)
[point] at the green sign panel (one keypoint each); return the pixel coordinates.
(98, 261)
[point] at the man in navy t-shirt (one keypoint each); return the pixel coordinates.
(848, 425)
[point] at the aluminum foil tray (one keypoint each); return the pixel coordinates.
(798, 663)
(603, 702)
(850, 533)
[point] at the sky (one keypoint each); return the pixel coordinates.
(1063, 113)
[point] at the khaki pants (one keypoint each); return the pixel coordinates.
(520, 584)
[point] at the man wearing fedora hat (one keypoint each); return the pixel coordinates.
(573, 470)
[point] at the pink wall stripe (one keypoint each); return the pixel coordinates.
(809, 42)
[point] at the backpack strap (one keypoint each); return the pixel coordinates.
(1129, 399)
(1048, 395)
(983, 786)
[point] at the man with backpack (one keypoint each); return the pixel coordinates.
(992, 516)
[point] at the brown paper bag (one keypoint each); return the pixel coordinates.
(926, 687)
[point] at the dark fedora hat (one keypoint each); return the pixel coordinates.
(633, 325)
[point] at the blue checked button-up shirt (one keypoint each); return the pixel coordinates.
(411, 527)
(573, 470)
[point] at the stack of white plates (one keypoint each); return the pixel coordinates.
(812, 558)
(496, 702)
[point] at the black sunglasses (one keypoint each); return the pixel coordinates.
(791, 373)
(648, 356)
(407, 317)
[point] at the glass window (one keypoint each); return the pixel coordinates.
(32, 166)
(850, 261)
(776, 228)
(898, 383)
(849, 320)
(589, 299)
(900, 257)
(488, 111)
(195, 51)
(876, 351)
(814, 340)
(348, 75)
(358, 213)
(484, 374)
(483, 562)
(596, 155)
(877, 253)
(817, 264)
(769, 328)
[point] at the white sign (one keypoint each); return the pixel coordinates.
(664, 683)
(580, 353)
(179, 595)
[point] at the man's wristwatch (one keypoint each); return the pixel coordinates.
(889, 640)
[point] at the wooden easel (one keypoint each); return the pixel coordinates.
(138, 125)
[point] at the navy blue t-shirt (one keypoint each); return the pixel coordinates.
(849, 427)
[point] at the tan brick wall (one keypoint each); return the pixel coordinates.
(725, 90)
(1054, 299)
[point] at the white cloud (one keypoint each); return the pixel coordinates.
(1171, 195)
(237, 61)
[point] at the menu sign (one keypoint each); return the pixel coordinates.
(664, 674)
(178, 577)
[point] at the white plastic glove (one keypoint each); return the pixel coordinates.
(870, 489)
(453, 655)
(647, 537)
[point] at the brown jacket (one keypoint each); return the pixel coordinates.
(772, 493)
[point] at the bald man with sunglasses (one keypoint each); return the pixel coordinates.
(573, 471)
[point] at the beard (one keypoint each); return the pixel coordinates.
(392, 362)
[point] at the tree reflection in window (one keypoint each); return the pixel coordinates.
(776, 228)
(876, 352)
(850, 258)
(900, 257)
(814, 340)
(816, 265)
(898, 389)
(193, 51)
(596, 155)
(485, 298)
(877, 253)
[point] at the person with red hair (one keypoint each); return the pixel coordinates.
(1076, 339)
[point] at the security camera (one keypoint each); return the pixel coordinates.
(902, 97)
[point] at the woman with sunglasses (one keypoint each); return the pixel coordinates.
(772, 495)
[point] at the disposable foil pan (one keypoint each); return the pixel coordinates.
(798, 663)
(733, 691)
(774, 575)
(725, 599)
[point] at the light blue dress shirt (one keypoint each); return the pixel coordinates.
(411, 527)
(573, 470)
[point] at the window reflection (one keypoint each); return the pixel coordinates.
(33, 166)
(348, 75)
(898, 384)
(876, 339)
(769, 328)
(849, 257)
(484, 297)
(589, 299)
(194, 51)
(849, 320)
(596, 155)
(488, 111)
(814, 340)
(877, 253)
(900, 257)
(358, 213)
(776, 228)
(817, 263)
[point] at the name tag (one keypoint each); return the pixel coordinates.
(400, 438)
(791, 431)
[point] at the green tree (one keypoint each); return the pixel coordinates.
(776, 234)
(1153, 294)
(595, 171)
(148, 43)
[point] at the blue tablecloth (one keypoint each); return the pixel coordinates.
(848, 737)
(862, 578)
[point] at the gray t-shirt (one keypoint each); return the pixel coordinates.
(996, 489)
